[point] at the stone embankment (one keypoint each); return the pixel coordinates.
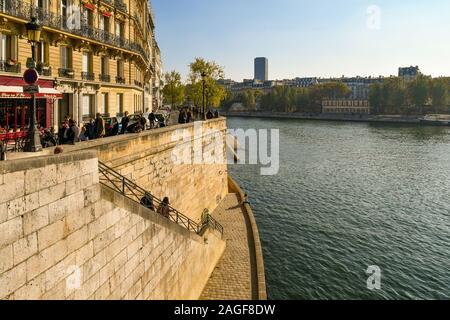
(64, 235)
(387, 119)
(240, 274)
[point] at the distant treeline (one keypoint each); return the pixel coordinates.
(393, 96)
(289, 99)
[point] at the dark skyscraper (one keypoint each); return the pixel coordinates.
(261, 69)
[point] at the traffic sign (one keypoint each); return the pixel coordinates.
(31, 76)
(31, 89)
(31, 64)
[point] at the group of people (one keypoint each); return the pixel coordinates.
(70, 132)
(186, 115)
(163, 208)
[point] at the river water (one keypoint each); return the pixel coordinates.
(349, 196)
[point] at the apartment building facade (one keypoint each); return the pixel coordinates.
(95, 56)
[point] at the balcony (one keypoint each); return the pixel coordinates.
(104, 77)
(88, 76)
(23, 10)
(10, 66)
(120, 80)
(44, 70)
(119, 4)
(66, 73)
(137, 83)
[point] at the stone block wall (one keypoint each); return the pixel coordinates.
(148, 159)
(64, 236)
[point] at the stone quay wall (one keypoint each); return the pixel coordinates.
(150, 160)
(65, 236)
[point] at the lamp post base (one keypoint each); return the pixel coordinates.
(34, 142)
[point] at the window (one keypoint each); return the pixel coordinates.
(42, 52)
(43, 4)
(119, 103)
(104, 23)
(120, 73)
(87, 106)
(87, 62)
(104, 104)
(8, 47)
(66, 57)
(120, 29)
(104, 67)
(89, 17)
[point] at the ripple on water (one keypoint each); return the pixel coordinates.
(348, 196)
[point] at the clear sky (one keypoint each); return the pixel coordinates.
(303, 38)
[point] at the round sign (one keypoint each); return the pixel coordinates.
(30, 76)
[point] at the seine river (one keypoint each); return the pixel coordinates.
(349, 196)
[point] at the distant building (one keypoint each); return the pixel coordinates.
(409, 73)
(346, 106)
(261, 69)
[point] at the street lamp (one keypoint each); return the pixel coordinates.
(204, 85)
(34, 36)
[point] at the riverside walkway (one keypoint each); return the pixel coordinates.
(235, 276)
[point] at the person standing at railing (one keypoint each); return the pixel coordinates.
(125, 122)
(99, 126)
(164, 208)
(147, 201)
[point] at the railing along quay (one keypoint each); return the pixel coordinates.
(117, 182)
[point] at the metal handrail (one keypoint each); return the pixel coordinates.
(117, 182)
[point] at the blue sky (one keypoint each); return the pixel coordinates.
(306, 38)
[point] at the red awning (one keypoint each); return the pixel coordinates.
(106, 14)
(89, 6)
(16, 92)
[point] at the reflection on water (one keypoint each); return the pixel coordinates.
(349, 196)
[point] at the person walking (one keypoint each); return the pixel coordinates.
(188, 116)
(143, 122)
(125, 121)
(71, 133)
(99, 126)
(147, 201)
(152, 119)
(164, 208)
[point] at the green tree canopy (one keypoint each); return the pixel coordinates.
(173, 89)
(214, 92)
(439, 92)
(418, 91)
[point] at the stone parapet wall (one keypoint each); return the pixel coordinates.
(64, 236)
(148, 159)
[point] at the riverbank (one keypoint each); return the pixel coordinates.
(392, 119)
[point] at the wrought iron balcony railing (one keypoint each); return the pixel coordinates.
(120, 80)
(88, 76)
(137, 83)
(44, 70)
(119, 4)
(66, 73)
(80, 27)
(104, 77)
(10, 66)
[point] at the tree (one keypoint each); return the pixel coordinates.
(418, 91)
(214, 92)
(439, 93)
(173, 89)
(376, 97)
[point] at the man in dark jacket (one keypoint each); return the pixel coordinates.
(71, 133)
(125, 122)
(152, 119)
